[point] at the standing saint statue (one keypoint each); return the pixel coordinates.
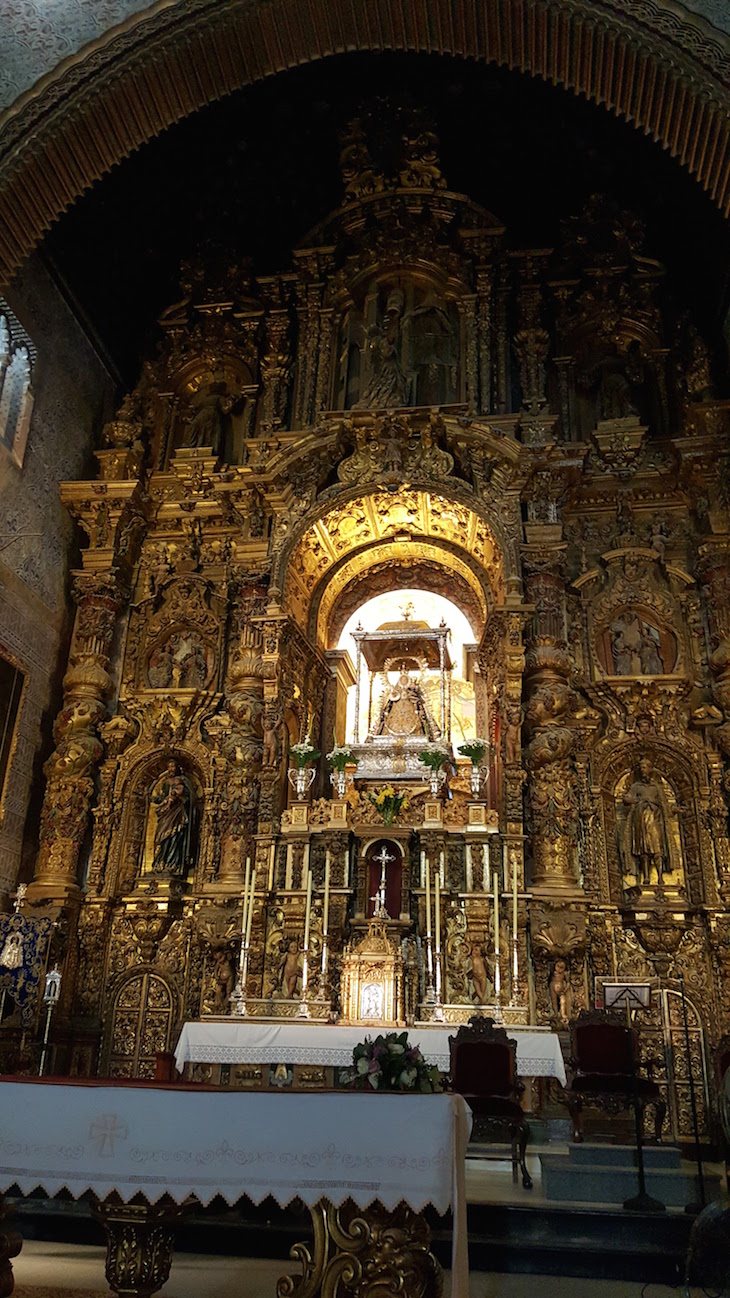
(173, 846)
(389, 385)
(646, 841)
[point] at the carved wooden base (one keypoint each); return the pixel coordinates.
(366, 1251)
(10, 1246)
(139, 1244)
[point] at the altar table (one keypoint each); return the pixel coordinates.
(248, 1041)
(182, 1142)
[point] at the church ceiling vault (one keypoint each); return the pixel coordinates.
(660, 67)
(356, 530)
(405, 566)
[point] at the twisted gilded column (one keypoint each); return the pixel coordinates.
(714, 571)
(69, 770)
(549, 704)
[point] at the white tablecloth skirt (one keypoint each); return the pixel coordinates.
(231, 1041)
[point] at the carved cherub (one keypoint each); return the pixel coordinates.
(560, 991)
(270, 750)
(290, 969)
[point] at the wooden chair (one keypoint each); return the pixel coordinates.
(484, 1071)
(602, 1046)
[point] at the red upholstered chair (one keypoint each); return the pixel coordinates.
(484, 1071)
(602, 1046)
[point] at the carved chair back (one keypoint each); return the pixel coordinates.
(483, 1059)
(602, 1043)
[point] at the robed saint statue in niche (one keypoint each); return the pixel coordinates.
(173, 804)
(645, 820)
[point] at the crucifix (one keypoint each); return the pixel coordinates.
(380, 911)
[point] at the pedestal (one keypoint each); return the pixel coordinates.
(10, 1246)
(139, 1244)
(367, 1251)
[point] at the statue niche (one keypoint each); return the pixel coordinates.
(399, 347)
(636, 644)
(404, 710)
(180, 661)
(646, 820)
(171, 837)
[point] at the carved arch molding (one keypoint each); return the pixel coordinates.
(659, 68)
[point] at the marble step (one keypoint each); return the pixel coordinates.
(591, 1153)
(566, 1180)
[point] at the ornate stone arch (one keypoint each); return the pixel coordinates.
(353, 513)
(664, 72)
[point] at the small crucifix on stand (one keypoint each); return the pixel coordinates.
(380, 911)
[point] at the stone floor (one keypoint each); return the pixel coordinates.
(61, 1270)
(46, 1270)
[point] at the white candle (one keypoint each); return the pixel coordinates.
(514, 896)
(469, 870)
(428, 902)
(326, 908)
(441, 868)
(272, 859)
(423, 867)
(249, 915)
(496, 913)
(245, 899)
(437, 909)
(505, 877)
(308, 911)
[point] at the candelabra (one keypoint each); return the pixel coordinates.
(498, 1016)
(303, 1011)
(438, 1009)
(51, 996)
(238, 996)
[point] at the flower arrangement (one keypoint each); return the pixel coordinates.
(389, 801)
(303, 753)
(474, 749)
(434, 756)
(340, 757)
(390, 1063)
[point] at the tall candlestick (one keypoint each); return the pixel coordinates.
(505, 879)
(326, 906)
(428, 902)
(272, 861)
(437, 911)
(308, 911)
(244, 905)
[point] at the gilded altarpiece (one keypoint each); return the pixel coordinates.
(412, 402)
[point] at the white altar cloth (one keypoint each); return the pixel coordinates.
(248, 1041)
(183, 1142)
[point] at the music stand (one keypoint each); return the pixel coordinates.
(634, 996)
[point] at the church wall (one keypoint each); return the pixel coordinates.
(72, 390)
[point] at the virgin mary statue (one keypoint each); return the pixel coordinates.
(174, 831)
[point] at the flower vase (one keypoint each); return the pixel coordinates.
(435, 780)
(301, 779)
(339, 782)
(477, 775)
